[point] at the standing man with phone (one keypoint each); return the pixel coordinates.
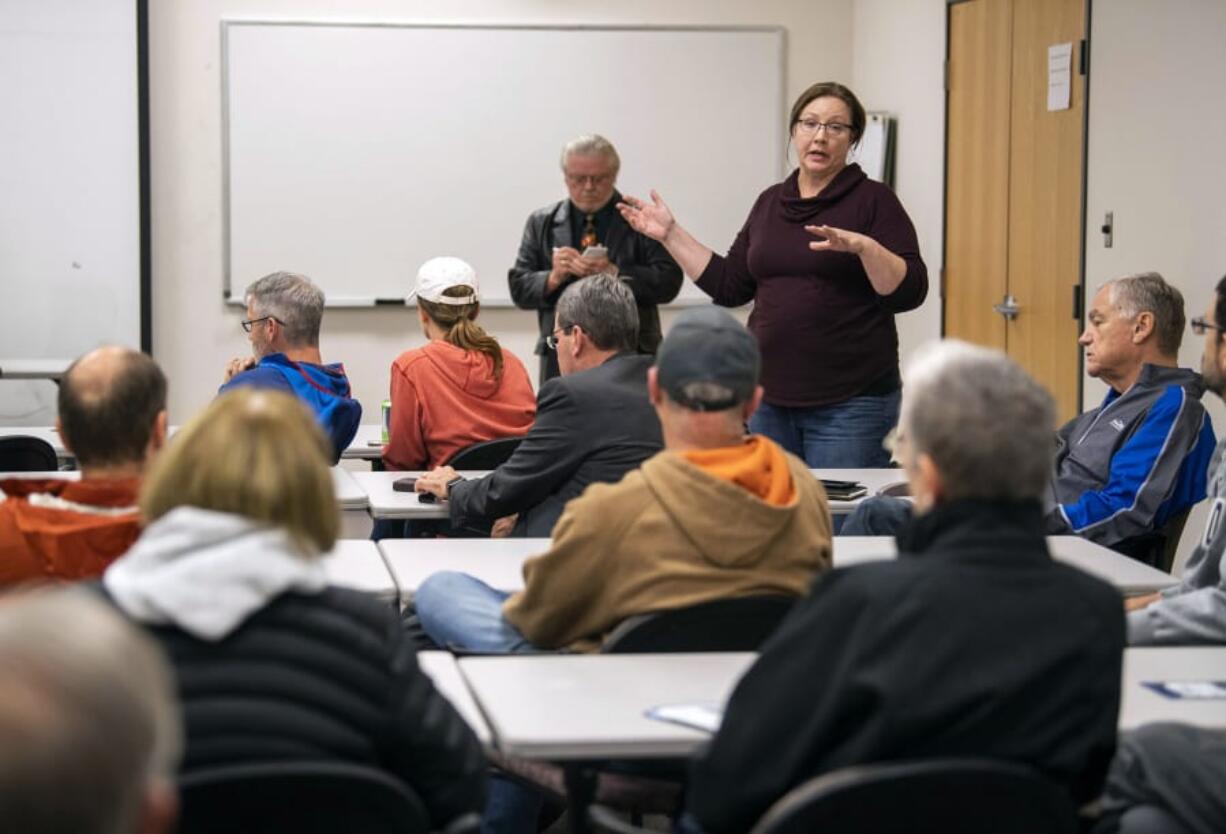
(585, 235)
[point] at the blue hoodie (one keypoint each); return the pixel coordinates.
(324, 389)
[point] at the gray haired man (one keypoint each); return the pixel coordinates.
(585, 235)
(974, 642)
(593, 424)
(1126, 469)
(284, 312)
(89, 728)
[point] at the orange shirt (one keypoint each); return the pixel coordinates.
(63, 530)
(445, 399)
(758, 465)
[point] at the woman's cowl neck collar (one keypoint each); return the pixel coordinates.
(797, 209)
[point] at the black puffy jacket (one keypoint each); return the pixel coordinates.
(325, 676)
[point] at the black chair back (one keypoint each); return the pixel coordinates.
(20, 453)
(739, 624)
(1156, 549)
(939, 796)
(298, 797)
(1172, 533)
(489, 454)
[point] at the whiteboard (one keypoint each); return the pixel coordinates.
(70, 187)
(353, 153)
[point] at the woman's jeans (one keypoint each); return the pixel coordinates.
(846, 435)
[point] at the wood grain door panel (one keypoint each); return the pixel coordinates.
(1045, 201)
(977, 171)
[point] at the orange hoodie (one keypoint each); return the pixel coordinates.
(445, 398)
(60, 529)
(757, 465)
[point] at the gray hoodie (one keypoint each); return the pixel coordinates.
(1194, 611)
(206, 572)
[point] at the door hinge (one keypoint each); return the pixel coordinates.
(1083, 65)
(1077, 302)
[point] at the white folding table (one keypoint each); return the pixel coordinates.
(386, 503)
(445, 673)
(1142, 705)
(367, 444)
(349, 493)
(358, 564)
(499, 562)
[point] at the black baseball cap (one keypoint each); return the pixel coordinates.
(708, 361)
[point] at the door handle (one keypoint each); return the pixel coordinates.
(1008, 307)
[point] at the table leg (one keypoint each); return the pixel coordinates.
(580, 790)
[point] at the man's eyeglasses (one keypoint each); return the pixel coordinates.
(835, 130)
(596, 180)
(1199, 326)
(552, 339)
(248, 323)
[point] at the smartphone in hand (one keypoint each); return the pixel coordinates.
(596, 252)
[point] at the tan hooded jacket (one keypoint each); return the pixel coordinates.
(668, 535)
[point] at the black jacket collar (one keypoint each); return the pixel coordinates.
(972, 530)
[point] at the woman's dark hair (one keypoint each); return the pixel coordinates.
(835, 90)
(462, 330)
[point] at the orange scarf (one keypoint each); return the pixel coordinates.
(758, 465)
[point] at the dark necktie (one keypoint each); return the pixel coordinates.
(589, 232)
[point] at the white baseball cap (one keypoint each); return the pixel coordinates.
(439, 274)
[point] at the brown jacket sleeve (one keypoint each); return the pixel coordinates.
(565, 597)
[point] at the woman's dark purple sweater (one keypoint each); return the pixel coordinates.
(825, 333)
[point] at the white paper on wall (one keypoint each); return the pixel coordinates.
(1059, 76)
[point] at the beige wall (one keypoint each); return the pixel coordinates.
(898, 65)
(1157, 129)
(194, 332)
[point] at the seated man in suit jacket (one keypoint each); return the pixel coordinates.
(593, 424)
(973, 643)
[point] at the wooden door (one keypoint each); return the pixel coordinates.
(1045, 202)
(977, 170)
(1013, 215)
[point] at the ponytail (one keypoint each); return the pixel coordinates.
(461, 329)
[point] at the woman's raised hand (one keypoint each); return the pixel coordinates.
(655, 219)
(837, 240)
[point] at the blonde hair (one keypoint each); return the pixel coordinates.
(462, 330)
(254, 453)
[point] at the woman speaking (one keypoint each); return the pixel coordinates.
(828, 257)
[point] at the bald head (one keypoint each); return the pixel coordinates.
(89, 728)
(112, 401)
